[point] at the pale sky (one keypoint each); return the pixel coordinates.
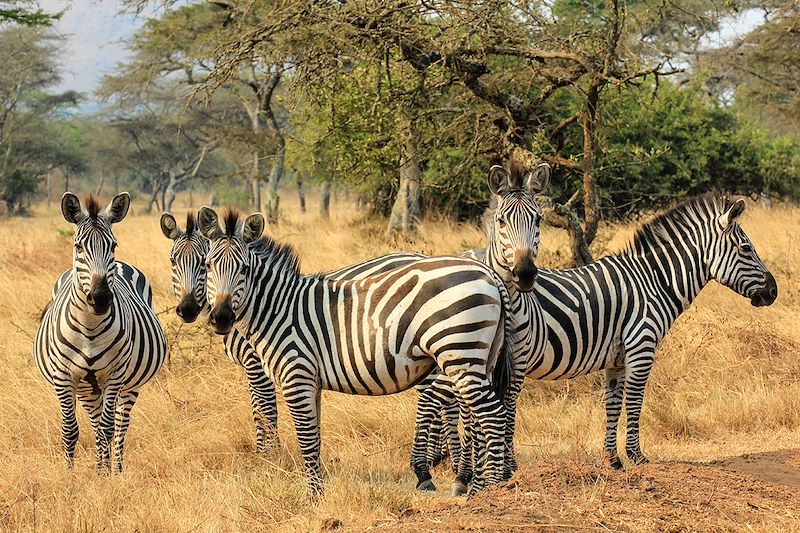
(95, 31)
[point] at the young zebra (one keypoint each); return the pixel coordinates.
(188, 259)
(378, 335)
(612, 314)
(99, 339)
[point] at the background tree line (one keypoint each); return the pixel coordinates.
(407, 103)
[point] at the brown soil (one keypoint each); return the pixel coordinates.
(754, 491)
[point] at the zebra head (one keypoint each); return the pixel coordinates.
(734, 261)
(93, 260)
(513, 229)
(228, 264)
(188, 260)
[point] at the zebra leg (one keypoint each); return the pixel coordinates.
(262, 399)
(69, 422)
(635, 381)
(489, 429)
(466, 463)
(106, 433)
(510, 406)
(92, 402)
(615, 385)
(122, 419)
(436, 452)
(450, 438)
(303, 402)
(427, 412)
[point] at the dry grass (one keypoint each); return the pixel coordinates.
(725, 383)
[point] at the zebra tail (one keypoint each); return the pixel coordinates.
(504, 368)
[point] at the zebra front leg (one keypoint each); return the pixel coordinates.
(615, 386)
(106, 434)
(122, 419)
(303, 403)
(635, 382)
(69, 422)
(92, 402)
(265, 409)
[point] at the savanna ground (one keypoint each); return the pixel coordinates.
(721, 419)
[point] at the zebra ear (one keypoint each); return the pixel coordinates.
(538, 180)
(169, 227)
(732, 215)
(253, 228)
(71, 208)
(499, 180)
(208, 222)
(118, 208)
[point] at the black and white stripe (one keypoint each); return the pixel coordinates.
(378, 335)
(612, 314)
(99, 339)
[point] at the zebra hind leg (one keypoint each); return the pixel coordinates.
(436, 452)
(488, 426)
(466, 464)
(427, 411)
(303, 401)
(615, 385)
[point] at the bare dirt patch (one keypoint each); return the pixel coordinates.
(754, 491)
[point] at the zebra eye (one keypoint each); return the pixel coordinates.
(78, 247)
(172, 261)
(501, 222)
(745, 248)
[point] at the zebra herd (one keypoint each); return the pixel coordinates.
(464, 331)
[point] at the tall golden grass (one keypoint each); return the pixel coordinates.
(725, 383)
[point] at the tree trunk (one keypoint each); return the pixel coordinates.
(255, 182)
(406, 209)
(276, 173)
(325, 199)
(66, 180)
(169, 195)
(155, 183)
(591, 200)
(301, 192)
(48, 185)
(102, 182)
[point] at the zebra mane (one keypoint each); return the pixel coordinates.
(705, 207)
(281, 255)
(93, 206)
(191, 224)
(231, 221)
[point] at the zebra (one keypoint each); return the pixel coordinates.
(513, 244)
(187, 259)
(612, 314)
(378, 335)
(98, 339)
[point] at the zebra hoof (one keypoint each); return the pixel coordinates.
(459, 488)
(426, 486)
(639, 459)
(617, 466)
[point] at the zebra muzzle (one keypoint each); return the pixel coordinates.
(524, 272)
(221, 317)
(100, 295)
(188, 308)
(767, 294)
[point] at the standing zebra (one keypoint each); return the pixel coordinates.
(513, 244)
(188, 264)
(378, 335)
(99, 339)
(612, 314)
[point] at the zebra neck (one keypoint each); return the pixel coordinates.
(678, 272)
(268, 308)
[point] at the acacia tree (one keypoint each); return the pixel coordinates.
(532, 75)
(180, 46)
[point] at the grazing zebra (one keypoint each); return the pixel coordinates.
(378, 335)
(187, 259)
(99, 339)
(612, 314)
